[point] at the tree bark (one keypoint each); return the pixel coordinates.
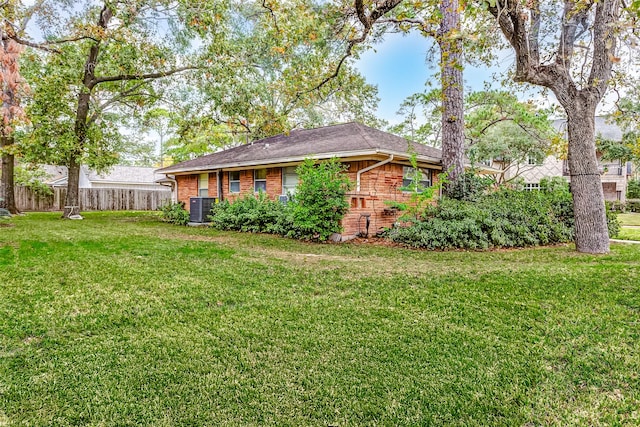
(7, 187)
(578, 100)
(452, 93)
(592, 234)
(72, 201)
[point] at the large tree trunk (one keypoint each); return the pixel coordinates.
(72, 201)
(7, 191)
(592, 235)
(452, 93)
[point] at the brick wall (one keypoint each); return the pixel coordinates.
(187, 187)
(376, 187)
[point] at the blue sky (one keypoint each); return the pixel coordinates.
(399, 67)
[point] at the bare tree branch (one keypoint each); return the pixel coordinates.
(147, 76)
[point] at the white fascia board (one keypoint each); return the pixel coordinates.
(282, 161)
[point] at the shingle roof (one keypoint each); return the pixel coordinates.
(343, 140)
(604, 128)
(125, 174)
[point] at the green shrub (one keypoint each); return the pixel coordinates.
(252, 214)
(469, 186)
(633, 189)
(315, 212)
(633, 205)
(613, 223)
(506, 218)
(320, 201)
(174, 213)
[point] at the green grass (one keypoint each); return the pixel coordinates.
(627, 233)
(629, 219)
(122, 320)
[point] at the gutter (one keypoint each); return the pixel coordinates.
(367, 169)
(174, 185)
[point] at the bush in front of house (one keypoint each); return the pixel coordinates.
(320, 201)
(506, 218)
(470, 186)
(174, 213)
(314, 213)
(249, 213)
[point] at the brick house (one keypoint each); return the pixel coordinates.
(377, 163)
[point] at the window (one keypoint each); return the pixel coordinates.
(289, 180)
(409, 176)
(234, 182)
(260, 180)
(534, 160)
(203, 185)
(531, 186)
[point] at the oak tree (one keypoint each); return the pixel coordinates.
(571, 48)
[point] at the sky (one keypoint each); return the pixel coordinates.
(398, 67)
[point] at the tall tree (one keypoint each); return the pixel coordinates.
(449, 38)
(440, 20)
(278, 50)
(11, 86)
(119, 50)
(577, 67)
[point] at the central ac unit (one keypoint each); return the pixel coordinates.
(200, 208)
(283, 198)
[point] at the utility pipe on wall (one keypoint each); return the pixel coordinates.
(174, 188)
(368, 168)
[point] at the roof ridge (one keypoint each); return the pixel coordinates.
(363, 132)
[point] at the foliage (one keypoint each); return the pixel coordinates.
(252, 214)
(633, 189)
(633, 205)
(278, 53)
(554, 183)
(174, 213)
(470, 186)
(507, 218)
(314, 213)
(320, 203)
(422, 118)
(613, 224)
(32, 177)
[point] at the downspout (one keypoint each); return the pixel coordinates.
(174, 186)
(219, 181)
(367, 169)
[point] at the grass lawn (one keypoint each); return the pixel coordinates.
(630, 226)
(123, 320)
(629, 219)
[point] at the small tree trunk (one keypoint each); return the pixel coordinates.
(72, 201)
(452, 92)
(7, 187)
(592, 234)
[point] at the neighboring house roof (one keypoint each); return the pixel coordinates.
(117, 175)
(343, 140)
(603, 127)
(123, 174)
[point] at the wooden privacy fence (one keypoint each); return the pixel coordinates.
(93, 199)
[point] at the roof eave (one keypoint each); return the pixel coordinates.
(345, 155)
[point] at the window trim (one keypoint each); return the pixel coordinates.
(259, 180)
(233, 181)
(285, 191)
(202, 188)
(428, 173)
